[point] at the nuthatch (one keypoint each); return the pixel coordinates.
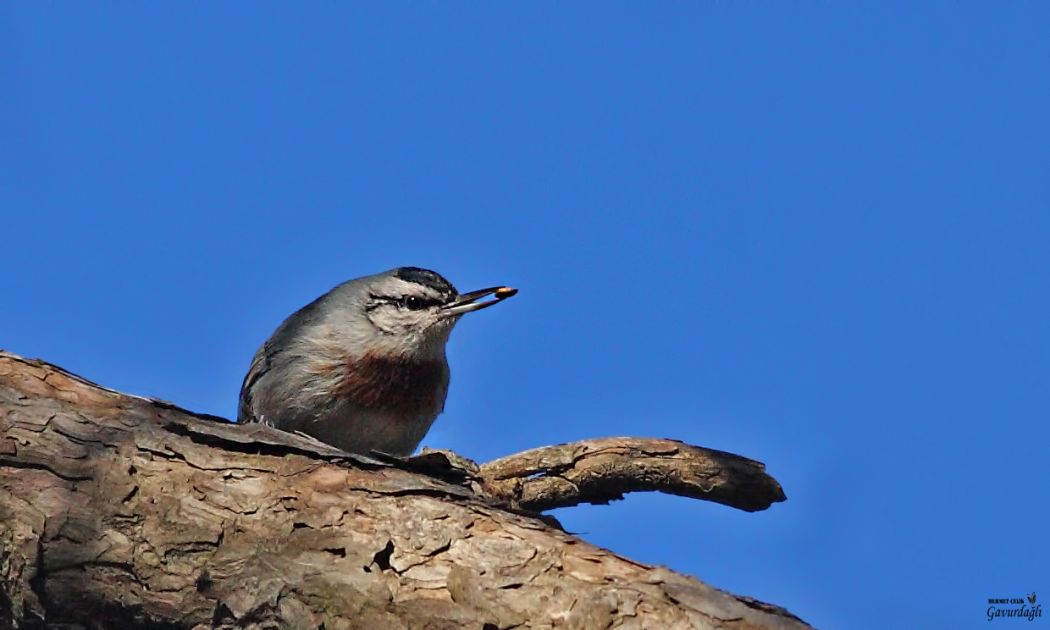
(363, 366)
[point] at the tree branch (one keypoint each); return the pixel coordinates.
(118, 511)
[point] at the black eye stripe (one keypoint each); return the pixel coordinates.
(375, 301)
(411, 302)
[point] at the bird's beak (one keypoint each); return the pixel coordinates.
(468, 302)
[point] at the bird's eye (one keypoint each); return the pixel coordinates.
(413, 303)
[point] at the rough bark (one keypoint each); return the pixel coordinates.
(118, 511)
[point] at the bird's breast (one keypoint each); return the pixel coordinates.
(404, 387)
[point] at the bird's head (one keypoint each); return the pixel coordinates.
(412, 310)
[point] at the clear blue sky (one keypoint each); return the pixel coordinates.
(812, 233)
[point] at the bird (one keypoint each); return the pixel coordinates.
(363, 367)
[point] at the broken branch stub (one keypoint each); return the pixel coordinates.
(600, 470)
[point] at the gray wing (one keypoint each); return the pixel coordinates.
(259, 367)
(264, 367)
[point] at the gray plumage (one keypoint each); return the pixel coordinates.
(363, 366)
